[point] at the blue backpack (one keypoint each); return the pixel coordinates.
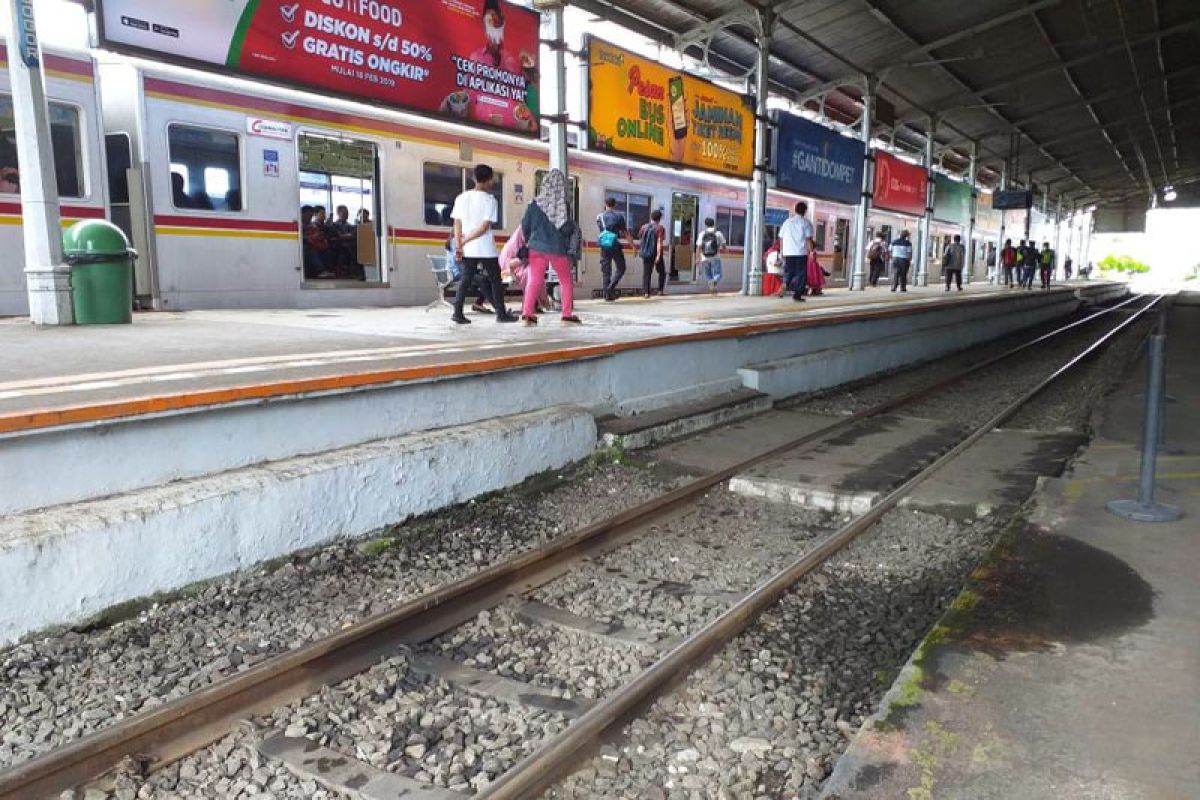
(608, 239)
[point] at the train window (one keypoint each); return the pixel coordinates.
(206, 168)
(732, 223)
(820, 235)
(65, 142)
(635, 207)
(444, 182)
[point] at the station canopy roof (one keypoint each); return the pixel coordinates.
(1098, 99)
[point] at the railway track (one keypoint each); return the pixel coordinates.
(176, 729)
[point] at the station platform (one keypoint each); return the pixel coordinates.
(171, 361)
(200, 443)
(1070, 665)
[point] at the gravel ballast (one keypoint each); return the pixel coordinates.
(57, 688)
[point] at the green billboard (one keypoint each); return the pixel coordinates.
(951, 200)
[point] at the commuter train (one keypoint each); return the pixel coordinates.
(208, 174)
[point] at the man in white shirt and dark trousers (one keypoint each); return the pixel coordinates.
(475, 212)
(796, 235)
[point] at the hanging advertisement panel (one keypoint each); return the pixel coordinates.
(647, 110)
(899, 185)
(951, 200)
(813, 160)
(473, 61)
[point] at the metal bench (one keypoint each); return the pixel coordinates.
(444, 280)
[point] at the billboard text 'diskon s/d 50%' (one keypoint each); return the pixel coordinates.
(646, 110)
(474, 61)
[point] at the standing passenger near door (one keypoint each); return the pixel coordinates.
(650, 248)
(797, 235)
(554, 241)
(612, 230)
(877, 255)
(708, 253)
(952, 262)
(901, 262)
(475, 211)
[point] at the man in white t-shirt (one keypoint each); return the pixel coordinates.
(475, 212)
(796, 235)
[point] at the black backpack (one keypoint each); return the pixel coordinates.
(710, 246)
(649, 246)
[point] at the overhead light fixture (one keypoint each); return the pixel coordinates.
(1169, 194)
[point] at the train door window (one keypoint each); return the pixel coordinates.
(340, 176)
(206, 168)
(685, 220)
(635, 207)
(444, 182)
(118, 156)
(65, 142)
(819, 237)
(731, 222)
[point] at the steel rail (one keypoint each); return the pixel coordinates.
(180, 727)
(538, 771)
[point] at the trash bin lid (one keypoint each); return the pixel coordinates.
(95, 237)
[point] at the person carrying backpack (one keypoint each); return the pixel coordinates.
(1046, 262)
(650, 248)
(708, 253)
(612, 230)
(1008, 260)
(1030, 261)
(877, 257)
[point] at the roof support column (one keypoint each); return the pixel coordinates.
(997, 268)
(1057, 234)
(858, 250)
(752, 281)
(924, 250)
(1029, 211)
(971, 175)
(1089, 222)
(1070, 232)
(47, 278)
(558, 113)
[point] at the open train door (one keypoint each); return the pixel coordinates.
(129, 204)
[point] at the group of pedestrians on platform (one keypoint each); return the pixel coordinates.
(548, 238)
(1025, 262)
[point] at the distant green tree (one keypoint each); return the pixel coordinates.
(1123, 264)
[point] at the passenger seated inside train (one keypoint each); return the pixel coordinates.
(318, 261)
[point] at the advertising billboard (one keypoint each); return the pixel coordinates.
(813, 160)
(951, 200)
(899, 185)
(646, 110)
(474, 61)
(1009, 199)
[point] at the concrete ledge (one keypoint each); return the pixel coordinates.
(663, 425)
(66, 563)
(836, 365)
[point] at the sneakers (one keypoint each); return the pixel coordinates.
(506, 318)
(478, 308)
(460, 319)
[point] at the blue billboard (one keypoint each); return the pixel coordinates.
(813, 160)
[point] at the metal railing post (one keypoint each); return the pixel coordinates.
(1145, 509)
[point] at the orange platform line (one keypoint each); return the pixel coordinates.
(38, 419)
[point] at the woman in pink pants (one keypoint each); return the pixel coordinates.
(554, 240)
(509, 260)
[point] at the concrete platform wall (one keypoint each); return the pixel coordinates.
(67, 563)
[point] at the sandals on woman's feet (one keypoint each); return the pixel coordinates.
(574, 320)
(529, 321)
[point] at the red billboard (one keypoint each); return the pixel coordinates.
(899, 185)
(469, 60)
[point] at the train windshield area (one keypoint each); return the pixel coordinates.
(339, 209)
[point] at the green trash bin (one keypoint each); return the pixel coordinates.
(101, 264)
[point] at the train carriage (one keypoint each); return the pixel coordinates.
(77, 137)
